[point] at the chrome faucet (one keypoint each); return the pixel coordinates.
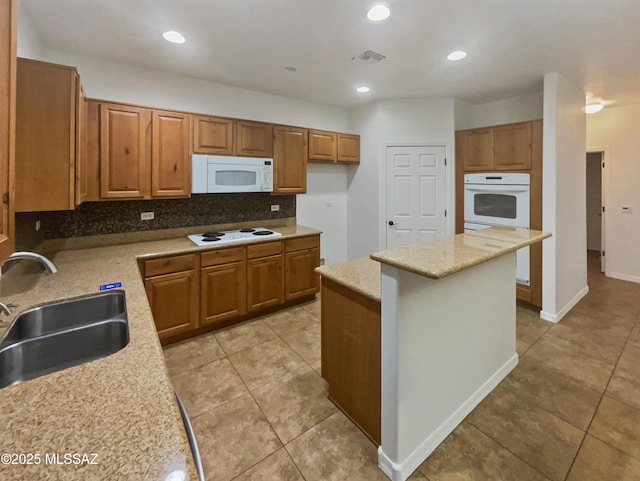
(49, 267)
(5, 308)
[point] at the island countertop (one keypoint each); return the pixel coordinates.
(361, 275)
(444, 257)
(120, 407)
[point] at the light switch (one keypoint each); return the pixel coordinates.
(147, 216)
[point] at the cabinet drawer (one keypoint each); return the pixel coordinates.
(222, 256)
(303, 243)
(264, 250)
(168, 265)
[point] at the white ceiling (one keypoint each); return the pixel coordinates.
(247, 43)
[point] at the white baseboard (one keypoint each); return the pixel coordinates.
(401, 471)
(624, 277)
(547, 316)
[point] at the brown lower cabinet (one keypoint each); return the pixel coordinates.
(223, 291)
(301, 278)
(351, 359)
(193, 292)
(173, 297)
(264, 275)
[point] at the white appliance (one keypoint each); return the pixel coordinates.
(224, 237)
(501, 199)
(216, 174)
(497, 199)
(522, 256)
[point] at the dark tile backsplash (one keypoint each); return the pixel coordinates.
(111, 217)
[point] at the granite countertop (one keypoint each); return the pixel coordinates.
(444, 257)
(361, 275)
(120, 407)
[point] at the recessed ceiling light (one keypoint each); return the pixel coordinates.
(363, 89)
(593, 108)
(173, 37)
(377, 13)
(457, 55)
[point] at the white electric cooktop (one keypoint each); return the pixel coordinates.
(227, 236)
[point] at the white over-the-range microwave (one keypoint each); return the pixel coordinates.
(217, 174)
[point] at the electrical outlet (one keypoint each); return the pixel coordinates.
(147, 216)
(275, 207)
(38, 225)
(322, 261)
(626, 209)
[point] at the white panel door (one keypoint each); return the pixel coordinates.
(416, 194)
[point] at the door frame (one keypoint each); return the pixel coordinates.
(604, 172)
(448, 186)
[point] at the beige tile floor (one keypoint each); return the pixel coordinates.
(569, 411)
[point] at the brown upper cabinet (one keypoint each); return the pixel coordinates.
(142, 152)
(512, 147)
(323, 146)
(289, 160)
(8, 40)
(170, 154)
(500, 148)
(213, 135)
(254, 139)
(124, 151)
(349, 148)
(476, 147)
(48, 133)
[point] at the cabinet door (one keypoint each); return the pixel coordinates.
(174, 302)
(349, 148)
(223, 292)
(512, 145)
(301, 278)
(124, 151)
(323, 146)
(8, 33)
(264, 282)
(290, 161)
(81, 147)
(170, 159)
(46, 98)
(212, 135)
(254, 139)
(478, 150)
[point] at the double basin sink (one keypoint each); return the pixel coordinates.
(63, 334)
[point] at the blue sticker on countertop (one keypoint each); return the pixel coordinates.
(113, 285)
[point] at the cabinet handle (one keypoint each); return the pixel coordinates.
(175, 167)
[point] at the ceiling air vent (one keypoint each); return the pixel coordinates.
(369, 56)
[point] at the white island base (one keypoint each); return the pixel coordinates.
(446, 344)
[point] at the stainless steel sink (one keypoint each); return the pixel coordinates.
(50, 338)
(67, 314)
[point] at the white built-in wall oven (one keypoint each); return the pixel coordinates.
(500, 199)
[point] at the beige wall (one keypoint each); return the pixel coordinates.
(564, 256)
(616, 130)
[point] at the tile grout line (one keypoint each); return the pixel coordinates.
(626, 342)
(509, 450)
(283, 445)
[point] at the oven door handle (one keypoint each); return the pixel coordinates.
(499, 190)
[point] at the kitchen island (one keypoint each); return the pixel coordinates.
(446, 337)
